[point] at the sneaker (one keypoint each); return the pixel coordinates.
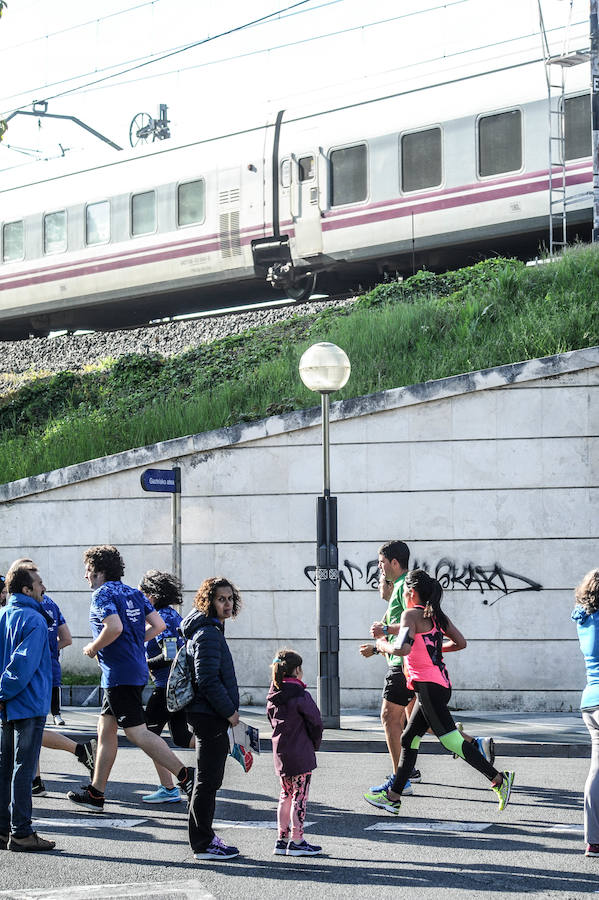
(486, 747)
(504, 789)
(302, 849)
(30, 843)
(216, 850)
(87, 799)
(415, 776)
(58, 720)
(382, 801)
(280, 847)
(38, 788)
(163, 795)
(86, 754)
(376, 789)
(3, 841)
(592, 850)
(187, 786)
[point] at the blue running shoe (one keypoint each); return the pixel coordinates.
(486, 747)
(378, 788)
(163, 795)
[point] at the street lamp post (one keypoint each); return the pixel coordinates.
(325, 368)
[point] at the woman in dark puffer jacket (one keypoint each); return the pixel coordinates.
(214, 707)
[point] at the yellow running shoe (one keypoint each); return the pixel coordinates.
(504, 789)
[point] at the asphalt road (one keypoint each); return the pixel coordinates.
(449, 838)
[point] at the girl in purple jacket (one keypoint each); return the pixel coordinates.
(296, 735)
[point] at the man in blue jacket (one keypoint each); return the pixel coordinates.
(25, 689)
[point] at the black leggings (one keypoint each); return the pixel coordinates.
(55, 700)
(157, 715)
(431, 711)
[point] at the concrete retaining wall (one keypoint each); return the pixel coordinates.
(491, 478)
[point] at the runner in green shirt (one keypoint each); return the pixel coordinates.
(394, 557)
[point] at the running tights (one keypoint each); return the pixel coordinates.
(431, 711)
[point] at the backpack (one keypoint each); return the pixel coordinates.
(179, 688)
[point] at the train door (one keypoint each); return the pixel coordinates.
(304, 197)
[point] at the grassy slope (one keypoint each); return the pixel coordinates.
(428, 327)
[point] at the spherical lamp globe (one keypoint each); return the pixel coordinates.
(324, 367)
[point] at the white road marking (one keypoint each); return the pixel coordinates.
(429, 826)
(271, 825)
(572, 829)
(167, 890)
(95, 821)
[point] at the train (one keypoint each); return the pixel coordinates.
(352, 193)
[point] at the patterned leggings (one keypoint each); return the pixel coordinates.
(292, 806)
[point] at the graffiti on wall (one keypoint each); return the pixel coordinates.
(451, 575)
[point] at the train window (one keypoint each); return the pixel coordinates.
(306, 168)
(421, 160)
(143, 213)
(500, 143)
(577, 126)
(349, 181)
(191, 202)
(55, 232)
(285, 173)
(13, 244)
(97, 223)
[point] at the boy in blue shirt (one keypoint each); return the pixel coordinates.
(122, 620)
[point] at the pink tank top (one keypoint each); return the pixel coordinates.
(425, 661)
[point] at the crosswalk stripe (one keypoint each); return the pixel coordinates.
(429, 826)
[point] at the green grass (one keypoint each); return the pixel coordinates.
(428, 327)
(77, 678)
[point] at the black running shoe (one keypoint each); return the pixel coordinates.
(303, 848)
(87, 799)
(38, 788)
(415, 776)
(186, 784)
(86, 754)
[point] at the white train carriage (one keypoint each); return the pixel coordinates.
(427, 174)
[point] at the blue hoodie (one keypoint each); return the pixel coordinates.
(588, 636)
(25, 665)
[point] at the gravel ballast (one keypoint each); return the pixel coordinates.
(74, 351)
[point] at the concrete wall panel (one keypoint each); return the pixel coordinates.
(491, 477)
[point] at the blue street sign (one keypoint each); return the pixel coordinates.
(165, 481)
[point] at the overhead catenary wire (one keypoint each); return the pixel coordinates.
(289, 45)
(285, 46)
(94, 21)
(143, 61)
(178, 50)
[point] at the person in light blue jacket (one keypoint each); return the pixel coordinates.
(586, 616)
(25, 691)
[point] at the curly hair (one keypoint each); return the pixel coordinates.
(284, 663)
(587, 592)
(106, 559)
(203, 600)
(163, 587)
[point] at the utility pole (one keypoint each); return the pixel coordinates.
(595, 114)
